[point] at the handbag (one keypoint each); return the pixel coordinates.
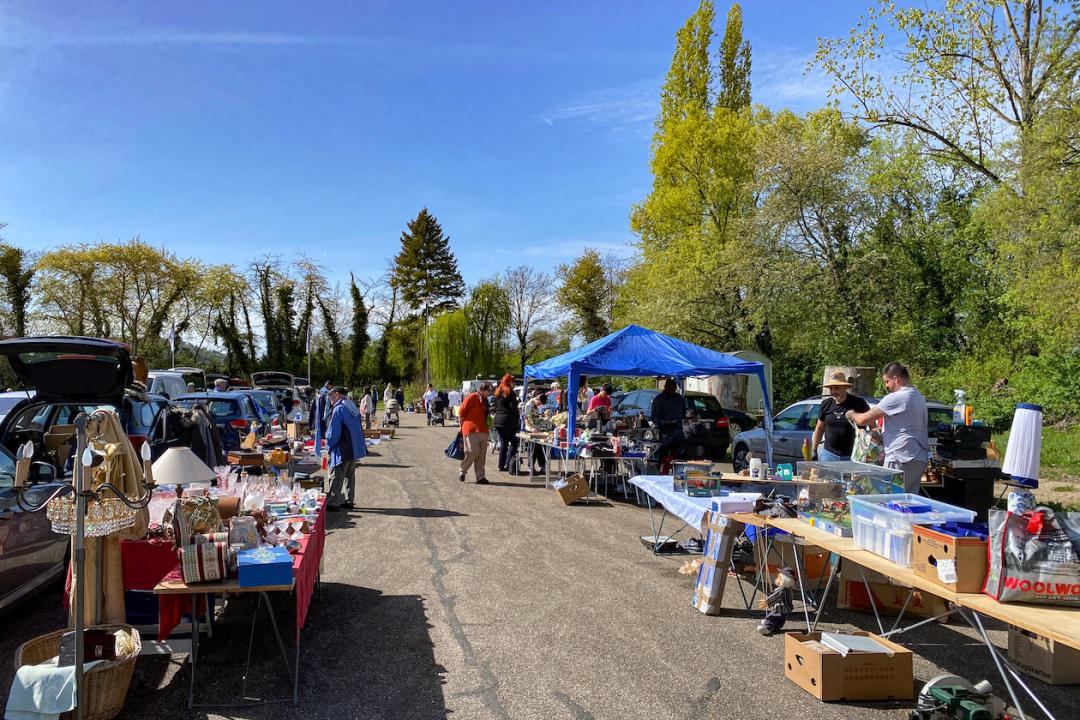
(456, 449)
(1034, 557)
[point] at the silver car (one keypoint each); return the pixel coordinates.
(795, 424)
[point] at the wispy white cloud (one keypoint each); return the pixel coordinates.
(169, 37)
(630, 105)
(568, 249)
(780, 79)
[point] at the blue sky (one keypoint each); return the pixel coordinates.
(224, 130)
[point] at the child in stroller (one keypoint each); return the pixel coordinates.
(436, 411)
(391, 417)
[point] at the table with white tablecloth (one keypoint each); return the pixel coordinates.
(691, 510)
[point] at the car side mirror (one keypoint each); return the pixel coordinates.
(42, 472)
(165, 395)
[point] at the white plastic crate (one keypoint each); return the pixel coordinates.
(887, 532)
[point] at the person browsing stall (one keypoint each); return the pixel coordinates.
(832, 425)
(474, 432)
(904, 431)
(667, 411)
(600, 406)
(507, 421)
(345, 445)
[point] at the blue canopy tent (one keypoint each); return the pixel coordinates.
(637, 351)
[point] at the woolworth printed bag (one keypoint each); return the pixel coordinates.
(1034, 557)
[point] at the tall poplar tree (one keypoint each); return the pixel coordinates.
(360, 337)
(733, 70)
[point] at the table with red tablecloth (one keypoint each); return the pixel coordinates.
(306, 564)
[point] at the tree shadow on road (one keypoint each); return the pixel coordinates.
(411, 512)
(364, 654)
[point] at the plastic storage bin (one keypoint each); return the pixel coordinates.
(887, 532)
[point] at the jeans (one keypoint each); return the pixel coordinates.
(508, 446)
(340, 474)
(824, 455)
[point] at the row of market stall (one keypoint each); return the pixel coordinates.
(796, 533)
(161, 546)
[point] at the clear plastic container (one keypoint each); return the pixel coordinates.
(887, 532)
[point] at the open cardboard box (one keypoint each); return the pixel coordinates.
(1040, 657)
(829, 676)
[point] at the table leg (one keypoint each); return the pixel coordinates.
(873, 604)
(976, 623)
(547, 466)
(904, 607)
(296, 671)
(834, 563)
(795, 552)
(194, 654)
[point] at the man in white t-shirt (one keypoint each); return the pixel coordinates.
(454, 401)
(904, 431)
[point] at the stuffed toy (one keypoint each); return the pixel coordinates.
(778, 603)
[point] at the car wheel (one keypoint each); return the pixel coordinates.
(738, 458)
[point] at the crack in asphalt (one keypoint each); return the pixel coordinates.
(699, 708)
(488, 689)
(578, 711)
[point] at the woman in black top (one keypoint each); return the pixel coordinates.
(507, 421)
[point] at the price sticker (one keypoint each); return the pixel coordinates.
(946, 571)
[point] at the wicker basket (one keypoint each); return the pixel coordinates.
(106, 684)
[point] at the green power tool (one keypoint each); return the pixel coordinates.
(948, 697)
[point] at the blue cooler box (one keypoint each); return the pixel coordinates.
(265, 566)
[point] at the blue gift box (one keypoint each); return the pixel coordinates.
(265, 566)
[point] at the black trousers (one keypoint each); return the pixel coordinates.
(508, 445)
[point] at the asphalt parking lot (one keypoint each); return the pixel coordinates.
(443, 599)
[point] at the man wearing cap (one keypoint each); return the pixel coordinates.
(345, 445)
(832, 424)
(907, 441)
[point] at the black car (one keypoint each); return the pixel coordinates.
(625, 406)
(72, 375)
(69, 375)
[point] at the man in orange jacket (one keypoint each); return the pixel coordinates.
(474, 431)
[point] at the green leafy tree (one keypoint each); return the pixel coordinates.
(733, 70)
(588, 289)
(425, 272)
(18, 277)
(360, 338)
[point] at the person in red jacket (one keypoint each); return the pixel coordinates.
(474, 432)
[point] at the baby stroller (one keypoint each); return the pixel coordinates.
(392, 418)
(437, 412)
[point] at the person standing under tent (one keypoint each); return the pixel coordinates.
(507, 421)
(599, 408)
(667, 411)
(345, 445)
(533, 423)
(904, 431)
(584, 394)
(832, 424)
(474, 433)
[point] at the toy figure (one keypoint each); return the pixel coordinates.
(778, 603)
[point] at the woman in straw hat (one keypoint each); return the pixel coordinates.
(832, 425)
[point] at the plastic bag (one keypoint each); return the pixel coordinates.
(456, 449)
(867, 447)
(1034, 557)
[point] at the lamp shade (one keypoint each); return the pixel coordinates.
(1023, 454)
(180, 466)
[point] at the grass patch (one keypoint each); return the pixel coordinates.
(1064, 488)
(1060, 453)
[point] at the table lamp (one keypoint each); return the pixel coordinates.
(1023, 454)
(179, 466)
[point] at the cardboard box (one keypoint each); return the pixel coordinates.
(852, 595)
(964, 569)
(264, 566)
(576, 488)
(829, 676)
(1042, 658)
